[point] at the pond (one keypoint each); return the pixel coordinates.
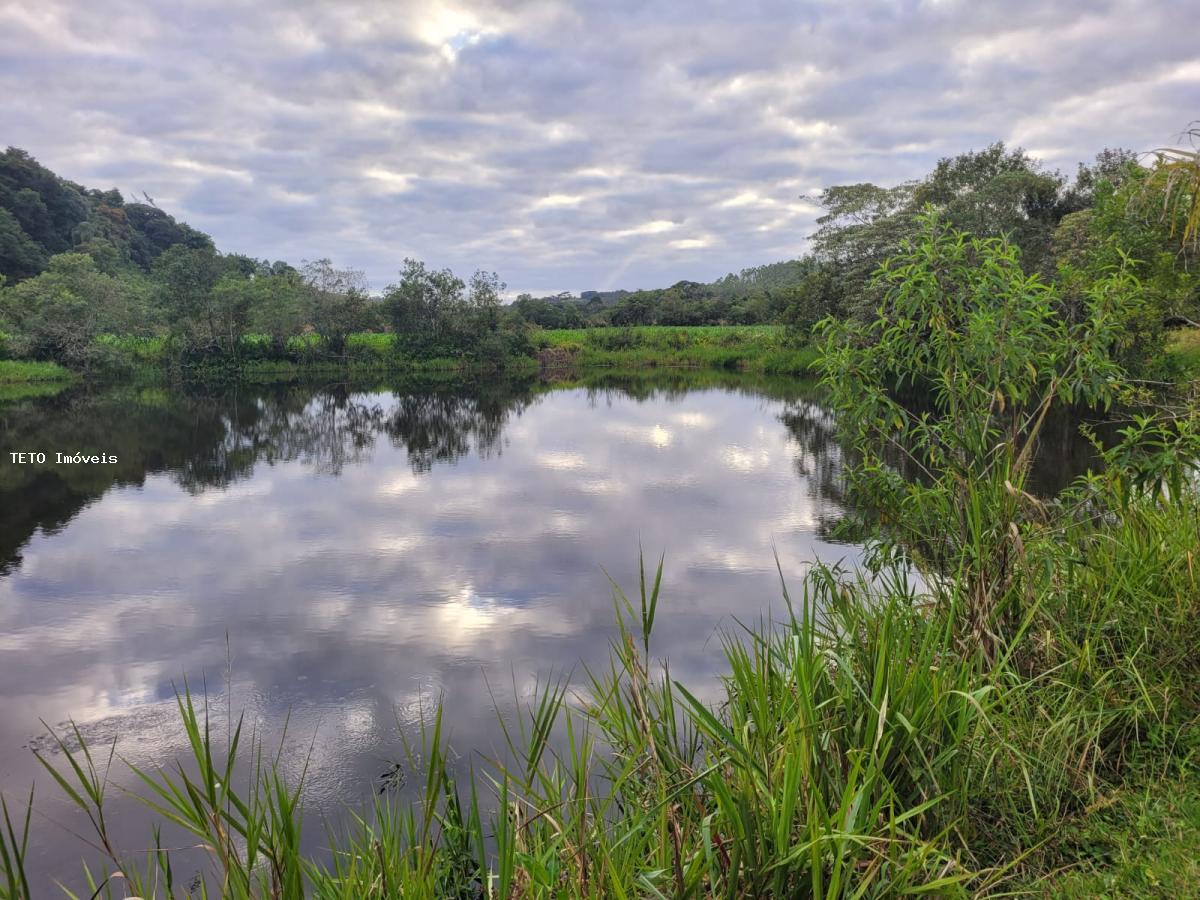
(347, 554)
(340, 557)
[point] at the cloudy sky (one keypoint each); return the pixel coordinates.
(568, 146)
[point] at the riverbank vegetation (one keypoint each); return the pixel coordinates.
(104, 285)
(22, 372)
(993, 707)
(768, 349)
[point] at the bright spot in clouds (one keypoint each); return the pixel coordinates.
(396, 181)
(658, 226)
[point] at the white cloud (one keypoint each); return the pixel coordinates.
(530, 138)
(395, 181)
(557, 200)
(658, 226)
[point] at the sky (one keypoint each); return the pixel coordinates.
(567, 146)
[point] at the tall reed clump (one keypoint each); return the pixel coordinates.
(983, 350)
(1080, 609)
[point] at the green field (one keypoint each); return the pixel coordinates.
(768, 349)
(22, 372)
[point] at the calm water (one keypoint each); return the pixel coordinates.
(366, 550)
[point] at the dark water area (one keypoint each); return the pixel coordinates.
(345, 555)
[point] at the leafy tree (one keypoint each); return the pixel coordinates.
(634, 309)
(560, 311)
(484, 298)
(338, 300)
(1125, 229)
(1112, 165)
(281, 307)
(20, 255)
(47, 207)
(420, 303)
(186, 280)
(107, 256)
(988, 193)
(995, 192)
(156, 232)
(60, 313)
(229, 309)
(817, 296)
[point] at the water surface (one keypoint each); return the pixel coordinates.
(347, 554)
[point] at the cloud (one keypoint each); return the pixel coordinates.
(546, 139)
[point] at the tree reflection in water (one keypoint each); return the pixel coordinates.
(207, 439)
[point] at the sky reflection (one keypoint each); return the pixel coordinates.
(368, 551)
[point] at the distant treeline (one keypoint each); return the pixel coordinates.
(82, 269)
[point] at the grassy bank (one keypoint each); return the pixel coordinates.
(767, 349)
(763, 349)
(23, 372)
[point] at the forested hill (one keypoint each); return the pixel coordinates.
(42, 214)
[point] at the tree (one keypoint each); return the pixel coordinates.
(484, 298)
(155, 232)
(60, 313)
(992, 192)
(995, 192)
(420, 304)
(186, 278)
(1112, 165)
(281, 307)
(20, 255)
(634, 309)
(47, 207)
(229, 309)
(1125, 228)
(338, 302)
